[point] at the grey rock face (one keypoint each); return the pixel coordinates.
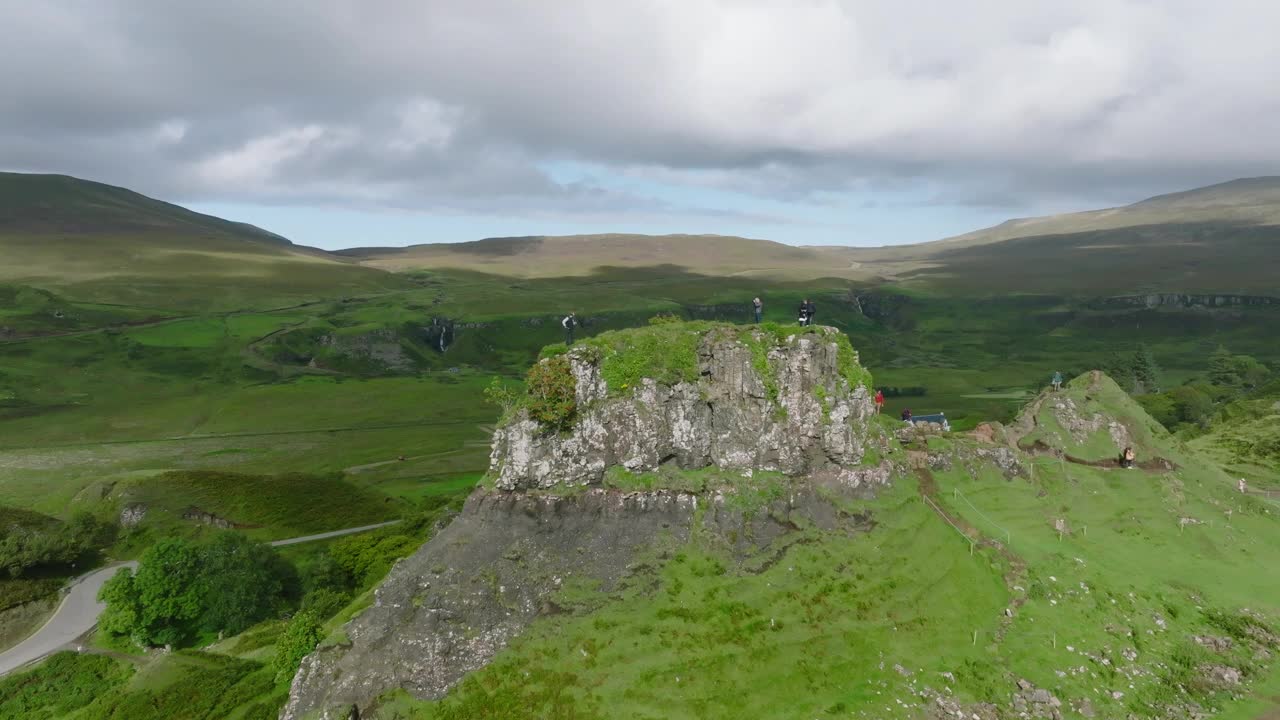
(727, 418)
(449, 608)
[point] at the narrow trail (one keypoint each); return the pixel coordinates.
(1015, 577)
(78, 613)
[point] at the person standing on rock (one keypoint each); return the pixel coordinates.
(1057, 381)
(801, 316)
(758, 307)
(809, 310)
(879, 401)
(569, 322)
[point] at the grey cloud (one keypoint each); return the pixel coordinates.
(449, 105)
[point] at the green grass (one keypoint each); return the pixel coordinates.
(818, 630)
(803, 637)
(64, 683)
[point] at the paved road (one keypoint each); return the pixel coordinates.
(80, 608)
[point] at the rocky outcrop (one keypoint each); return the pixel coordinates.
(798, 416)
(1155, 300)
(195, 514)
(779, 417)
(512, 556)
(133, 514)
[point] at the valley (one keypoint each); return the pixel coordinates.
(175, 376)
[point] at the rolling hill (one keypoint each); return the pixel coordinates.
(91, 242)
(577, 255)
(1222, 239)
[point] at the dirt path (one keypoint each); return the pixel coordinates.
(1015, 577)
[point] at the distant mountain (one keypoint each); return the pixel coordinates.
(575, 255)
(93, 242)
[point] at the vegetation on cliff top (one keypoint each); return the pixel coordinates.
(666, 351)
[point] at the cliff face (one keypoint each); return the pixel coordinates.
(796, 413)
(780, 424)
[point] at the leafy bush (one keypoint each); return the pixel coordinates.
(299, 639)
(551, 393)
(31, 540)
(501, 394)
(664, 319)
(367, 557)
(324, 602)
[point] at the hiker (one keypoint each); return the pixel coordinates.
(879, 401)
(1243, 487)
(809, 310)
(569, 322)
(1126, 458)
(758, 307)
(906, 414)
(1057, 381)
(803, 318)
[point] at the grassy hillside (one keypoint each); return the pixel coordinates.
(1086, 581)
(96, 243)
(1245, 439)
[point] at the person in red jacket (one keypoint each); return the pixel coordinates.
(879, 401)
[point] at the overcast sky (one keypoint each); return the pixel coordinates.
(389, 122)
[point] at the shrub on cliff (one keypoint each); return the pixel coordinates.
(551, 398)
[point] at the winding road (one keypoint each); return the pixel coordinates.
(80, 609)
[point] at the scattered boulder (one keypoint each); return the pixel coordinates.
(1216, 644)
(1220, 675)
(133, 514)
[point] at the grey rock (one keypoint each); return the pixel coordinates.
(133, 514)
(726, 418)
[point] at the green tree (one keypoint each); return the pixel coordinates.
(1162, 407)
(122, 616)
(241, 582)
(300, 637)
(181, 589)
(1146, 374)
(165, 593)
(1222, 369)
(1120, 368)
(1252, 374)
(1194, 406)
